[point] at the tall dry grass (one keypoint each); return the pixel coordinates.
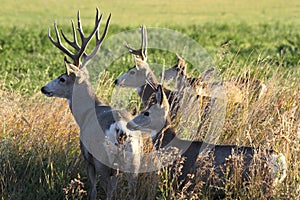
(39, 147)
(40, 155)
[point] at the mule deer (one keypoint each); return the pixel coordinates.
(156, 120)
(143, 79)
(204, 85)
(140, 76)
(96, 120)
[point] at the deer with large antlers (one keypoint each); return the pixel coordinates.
(101, 127)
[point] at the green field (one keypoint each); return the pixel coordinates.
(153, 13)
(39, 145)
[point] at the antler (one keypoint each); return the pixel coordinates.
(76, 57)
(142, 52)
(180, 61)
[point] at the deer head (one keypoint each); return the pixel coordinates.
(155, 117)
(75, 72)
(137, 75)
(142, 52)
(178, 71)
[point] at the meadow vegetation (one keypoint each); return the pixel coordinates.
(39, 145)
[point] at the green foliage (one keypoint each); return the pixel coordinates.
(151, 13)
(28, 59)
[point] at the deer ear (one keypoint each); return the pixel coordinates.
(70, 68)
(181, 65)
(161, 99)
(159, 95)
(181, 68)
(138, 62)
(80, 74)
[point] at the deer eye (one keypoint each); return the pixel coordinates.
(61, 79)
(132, 72)
(146, 113)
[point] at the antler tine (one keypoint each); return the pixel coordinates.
(105, 30)
(178, 56)
(58, 44)
(99, 41)
(73, 43)
(144, 42)
(80, 26)
(142, 52)
(85, 40)
(133, 51)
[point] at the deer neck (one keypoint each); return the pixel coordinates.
(83, 101)
(147, 91)
(165, 135)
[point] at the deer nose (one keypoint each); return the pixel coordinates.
(116, 82)
(43, 90)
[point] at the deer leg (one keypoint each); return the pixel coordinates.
(111, 187)
(132, 181)
(91, 172)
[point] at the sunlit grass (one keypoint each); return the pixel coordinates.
(40, 144)
(152, 13)
(39, 147)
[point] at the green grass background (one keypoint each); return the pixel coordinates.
(152, 13)
(269, 28)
